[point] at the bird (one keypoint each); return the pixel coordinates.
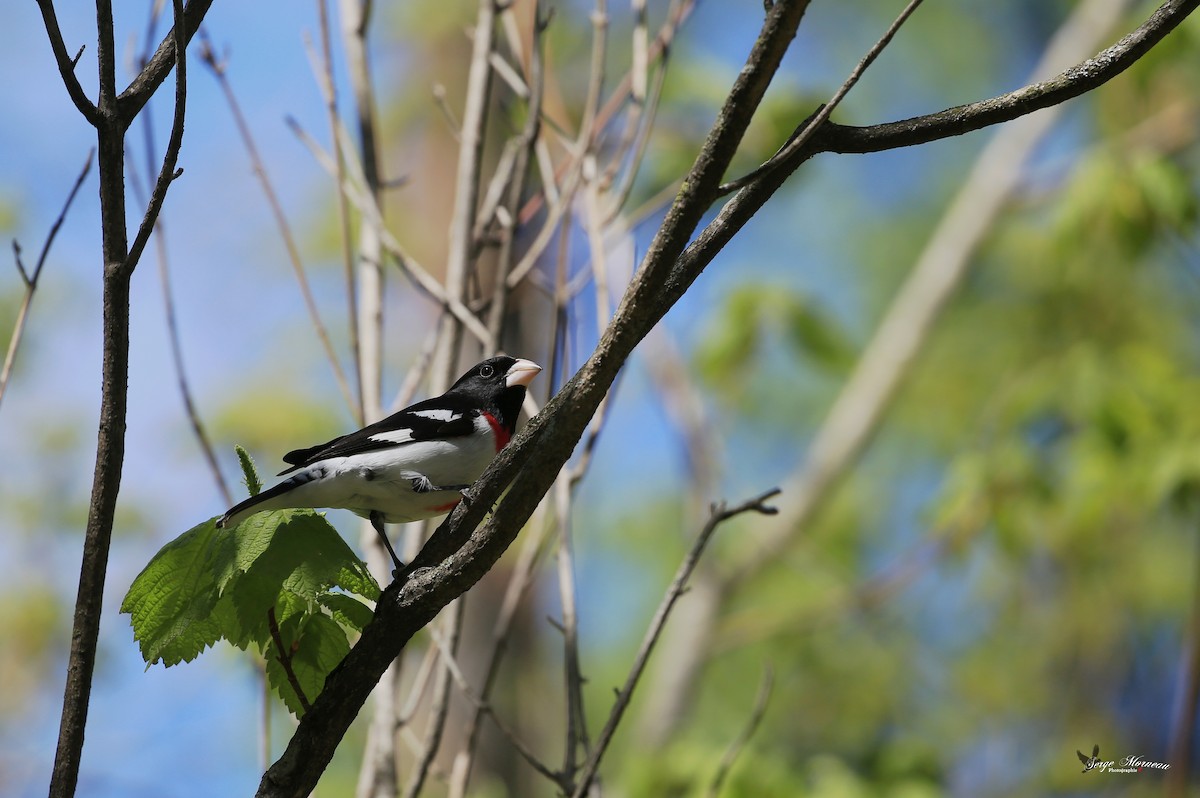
(412, 465)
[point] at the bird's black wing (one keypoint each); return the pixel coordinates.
(441, 417)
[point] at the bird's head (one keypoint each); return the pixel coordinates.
(499, 382)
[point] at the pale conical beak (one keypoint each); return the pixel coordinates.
(521, 373)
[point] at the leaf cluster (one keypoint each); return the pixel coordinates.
(280, 582)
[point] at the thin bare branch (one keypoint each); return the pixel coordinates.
(30, 278)
(441, 703)
(525, 148)
(164, 274)
(167, 173)
(412, 269)
(139, 91)
(939, 270)
(482, 708)
(208, 57)
(576, 731)
(323, 69)
(765, 686)
(66, 64)
(719, 514)
(528, 560)
(466, 188)
(802, 134)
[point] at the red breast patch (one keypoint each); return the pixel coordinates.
(501, 434)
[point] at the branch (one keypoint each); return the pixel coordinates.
(117, 271)
(466, 189)
(323, 70)
(735, 748)
(31, 278)
(813, 123)
(938, 271)
(168, 172)
(454, 559)
(1071, 83)
(138, 93)
(66, 65)
(458, 554)
(208, 57)
(718, 515)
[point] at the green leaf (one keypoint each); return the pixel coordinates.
(171, 602)
(211, 583)
(316, 644)
(296, 551)
(347, 610)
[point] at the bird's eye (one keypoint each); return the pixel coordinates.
(486, 371)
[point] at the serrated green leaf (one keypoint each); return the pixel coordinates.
(293, 551)
(316, 644)
(171, 602)
(355, 578)
(347, 610)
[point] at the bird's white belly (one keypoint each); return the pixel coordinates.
(382, 481)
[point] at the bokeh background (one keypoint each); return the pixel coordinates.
(1008, 574)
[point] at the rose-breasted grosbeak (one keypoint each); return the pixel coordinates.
(411, 465)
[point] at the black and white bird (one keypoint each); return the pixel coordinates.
(413, 464)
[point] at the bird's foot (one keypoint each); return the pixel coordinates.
(421, 484)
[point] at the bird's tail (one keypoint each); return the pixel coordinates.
(269, 499)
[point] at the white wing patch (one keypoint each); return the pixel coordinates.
(438, 414)
(394, 436)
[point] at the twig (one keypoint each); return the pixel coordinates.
(940, 268)
(483, 708)
(30, 278)
(461, 550)
(452, 124)
(526, 148)
(323, 69)
(735, 747)
(576, 732)
(284, 657)
(140, 89)
(719, 514)
(208, 57)
(441, 704)
(168, 172)
(466, 188)
(528, 560)
(164, 274)
(802, 134)
(66, 64)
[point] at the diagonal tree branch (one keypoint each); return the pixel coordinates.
(139, 91)
(448, 564)
(458, 554)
